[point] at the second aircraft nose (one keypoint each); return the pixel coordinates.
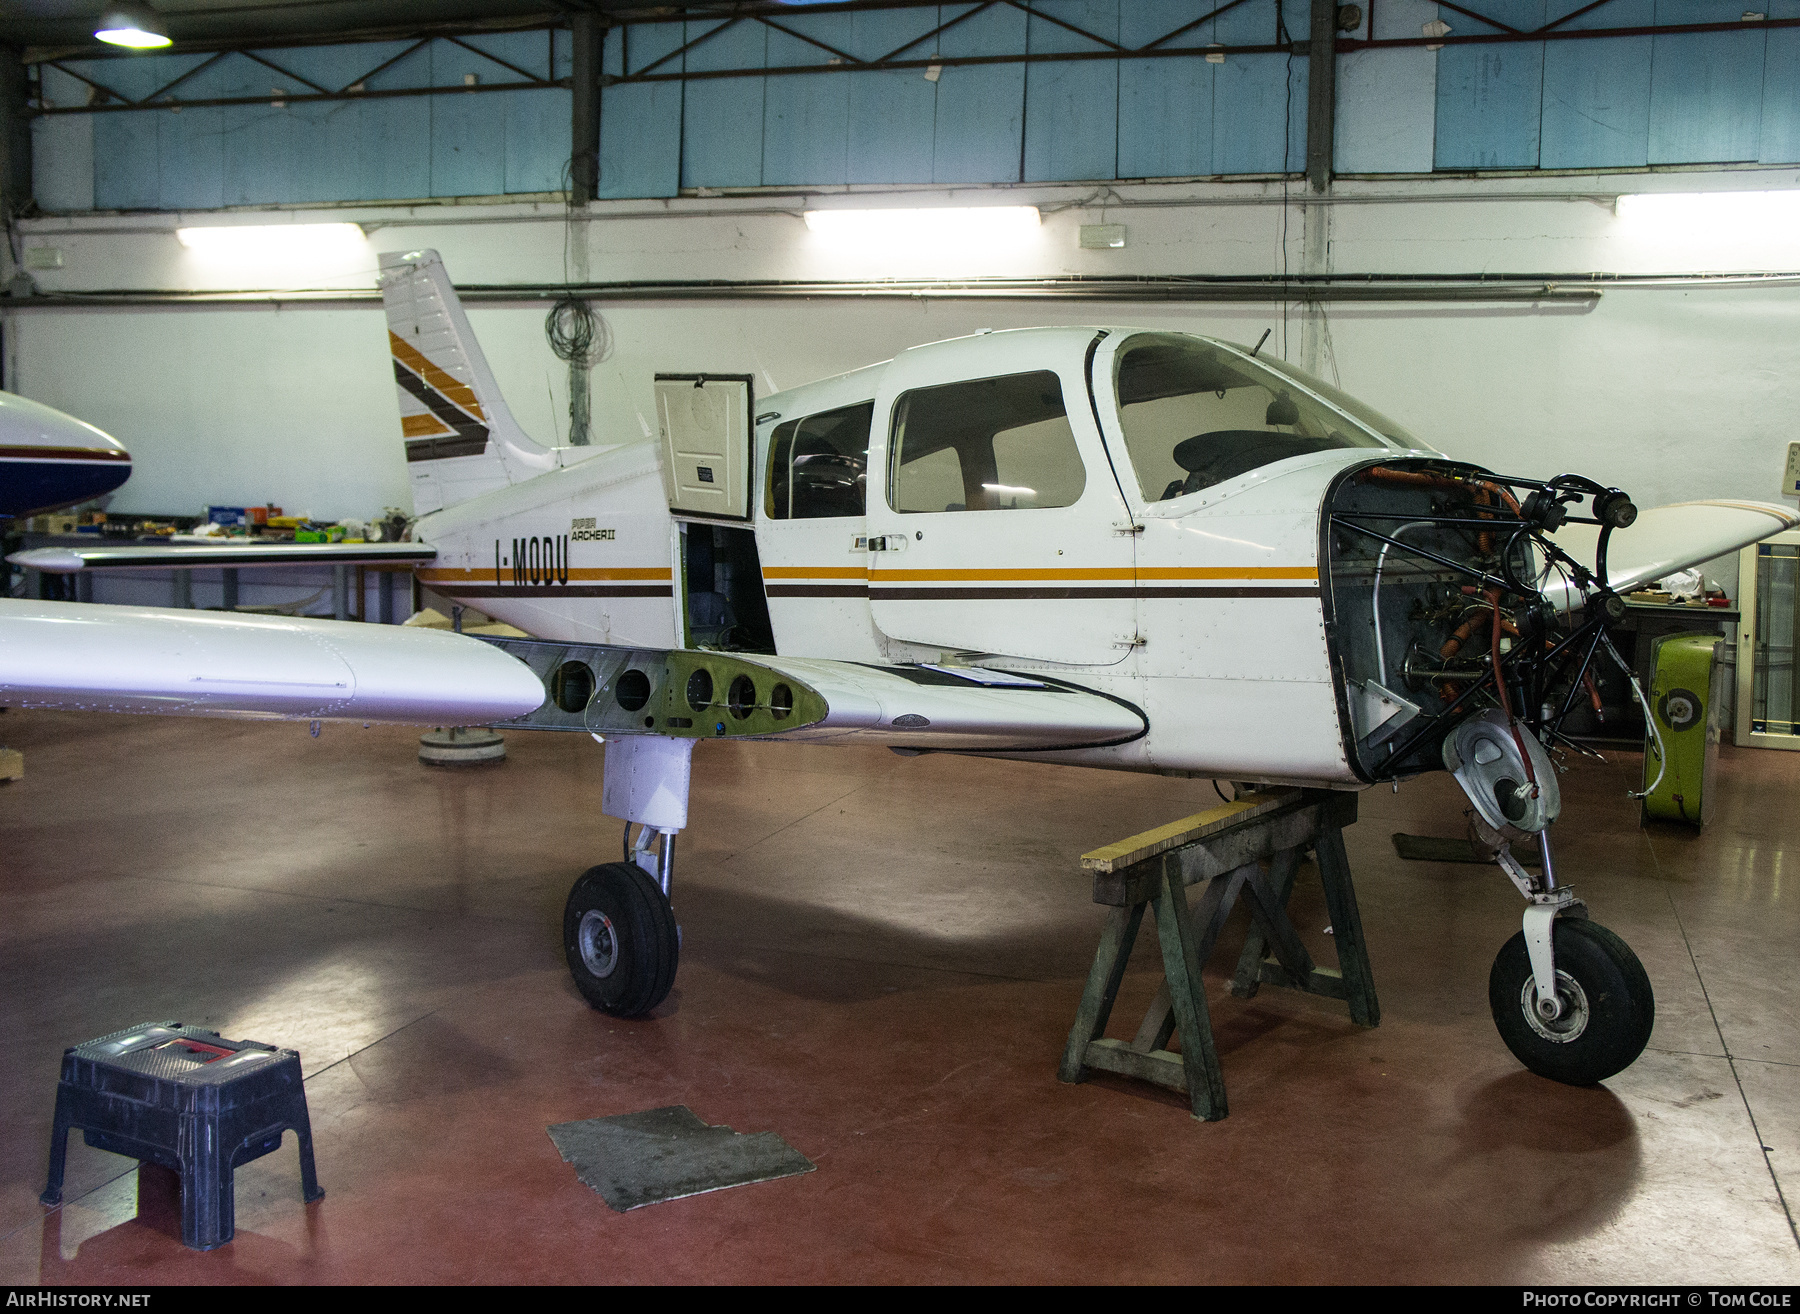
(50, 460)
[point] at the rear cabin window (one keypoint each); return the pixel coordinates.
(818, 466)
(985, 445)
(1196, 415)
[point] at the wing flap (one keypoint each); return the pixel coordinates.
(712, 695)
(81, 657)
(1666, 539)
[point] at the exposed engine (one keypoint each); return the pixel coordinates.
(1437, 614)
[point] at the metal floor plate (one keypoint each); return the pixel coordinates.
(1429, 848)
(635, 1159)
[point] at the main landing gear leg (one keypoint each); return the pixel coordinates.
(619, 931)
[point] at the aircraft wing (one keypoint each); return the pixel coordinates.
(1666, 539)
(81, 657)
(180, 556)
(696, 694)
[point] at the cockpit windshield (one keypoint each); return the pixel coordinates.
(1196, 414)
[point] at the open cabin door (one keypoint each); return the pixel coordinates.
(704, 425)
(703, 421)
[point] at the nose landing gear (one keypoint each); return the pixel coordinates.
(1603, 1012)
(1569, 998)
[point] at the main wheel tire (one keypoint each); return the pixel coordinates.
(620, 938)
(1608, 1007)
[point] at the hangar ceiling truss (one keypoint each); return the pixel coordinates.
(918, 53)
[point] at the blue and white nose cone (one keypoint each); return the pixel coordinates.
(50, 460)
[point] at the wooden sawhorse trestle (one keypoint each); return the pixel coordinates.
(1224, 849)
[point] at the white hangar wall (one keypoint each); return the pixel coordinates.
(1672, 392)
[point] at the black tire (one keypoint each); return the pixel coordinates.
(1609, 1013)
(620, 939)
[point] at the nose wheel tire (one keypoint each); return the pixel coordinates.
(1606, 1013)
(620, 939)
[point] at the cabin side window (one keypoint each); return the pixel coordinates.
(984, 445)
(818, 465)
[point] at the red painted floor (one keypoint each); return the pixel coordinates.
(882, 957)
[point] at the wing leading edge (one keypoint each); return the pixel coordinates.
(82, 657)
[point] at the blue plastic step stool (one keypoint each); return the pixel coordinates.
(187, 1099)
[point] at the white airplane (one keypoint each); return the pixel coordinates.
(1121, 548)
(49, 460)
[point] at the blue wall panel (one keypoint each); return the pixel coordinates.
(1072, 109)
(1706, 88)
(893, 116)
(1490, 98)
(1165, 105)
(806, 134)
(722, 120)
(1780, 141)
(1597, 93)
(393, 137)
(980, 109)
(125, 162)
(640, 125)
(1621, 102)
(1259, 101)
(468, 139)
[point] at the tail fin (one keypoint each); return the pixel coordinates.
(461, 440)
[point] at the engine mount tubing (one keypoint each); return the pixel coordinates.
(1582, 675)
(1419, 735)
(1487, 580)
(1438, 520)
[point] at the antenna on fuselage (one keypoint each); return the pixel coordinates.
(1258, 347)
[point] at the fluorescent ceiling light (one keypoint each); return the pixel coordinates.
(1712, 216)
(274, 242)
(938, 228)
(131, 23)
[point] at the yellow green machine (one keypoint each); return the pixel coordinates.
(1685, 695)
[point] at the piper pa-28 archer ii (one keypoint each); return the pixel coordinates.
(1108, 547)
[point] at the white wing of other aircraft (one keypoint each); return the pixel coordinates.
(1121, 548)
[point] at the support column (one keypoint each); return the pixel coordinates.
(1321, 129)
(584, 122)
(1315, 259)
(1321, 94)
(340, 593)
(15, 131)
(228, 588)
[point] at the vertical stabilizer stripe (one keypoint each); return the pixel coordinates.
(472, 437)
(415, 360)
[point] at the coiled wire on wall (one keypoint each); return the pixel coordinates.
(583, 339)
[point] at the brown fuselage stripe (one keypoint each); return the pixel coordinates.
(817, 590)
(552, 590)
(63, 454)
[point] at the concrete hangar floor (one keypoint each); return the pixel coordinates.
(882, 959)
